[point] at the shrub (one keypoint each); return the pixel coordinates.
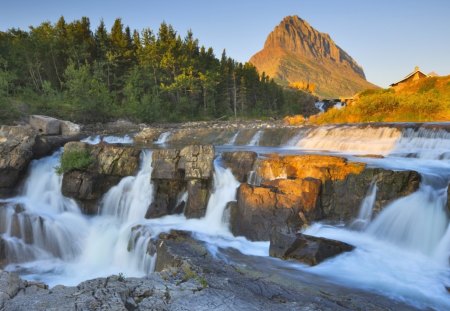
(74, 160)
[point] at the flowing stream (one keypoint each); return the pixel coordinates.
(403, 252)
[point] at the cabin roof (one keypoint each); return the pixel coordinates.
(416, 70)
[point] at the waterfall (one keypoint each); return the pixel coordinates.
(107, 247)
(350, 139)
(163, 138)
(320, 106)
(42, 223)
(366, 209)
(417, 221)
(256, 138)
(424, 143)
(233, 139)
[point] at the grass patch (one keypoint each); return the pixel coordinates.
(74, 160)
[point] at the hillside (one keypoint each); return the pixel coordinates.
(295, 52)
(424, 100)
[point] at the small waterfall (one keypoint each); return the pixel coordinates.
(350, 139)
(129, 200)
(366, 209)
(320, 106)
(417, 221)
(424, 143)
(42, 223)
(163, 138)
(122, 207)
(233, 139)
(94, 140)
(256, 138)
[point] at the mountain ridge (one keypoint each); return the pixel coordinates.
(296, 52)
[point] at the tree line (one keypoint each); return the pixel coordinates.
(69, 71)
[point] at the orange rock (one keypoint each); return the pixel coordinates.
(304, 166)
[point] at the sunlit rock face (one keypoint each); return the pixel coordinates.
(295, 52)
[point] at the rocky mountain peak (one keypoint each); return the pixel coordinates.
(296, 52)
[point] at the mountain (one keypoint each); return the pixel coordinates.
(295, 53)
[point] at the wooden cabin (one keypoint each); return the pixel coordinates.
(414, 76)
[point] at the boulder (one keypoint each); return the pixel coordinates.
(304, 248)
(45, 125)
(240, 163)
(46, 145)
(198, 195)
(16, 152)
(282, 204)
(69, 128)
(176, 171)
(147, 135)
(110, 164)
(302, 166)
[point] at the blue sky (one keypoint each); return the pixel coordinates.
(387, 37)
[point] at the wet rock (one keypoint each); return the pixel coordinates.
(176, 171)
(198, 195)
(285, 205)
(304, 248)
(46, 145)
(45, 125)
(109, 165)
(16, 152)
(240, 163)
(341, 199)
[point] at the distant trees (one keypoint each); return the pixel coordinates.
(95, 76)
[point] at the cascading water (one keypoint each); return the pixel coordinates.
(424, 143)
(348, 139)
(163, 138)
(403, 253)
(256, 138)
(366, 209)
(320, 106)
(233, 139)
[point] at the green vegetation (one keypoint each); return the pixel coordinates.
(421, 101)
(73, 160)
(68, 71)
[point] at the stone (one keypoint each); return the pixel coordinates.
(302, 166)
(110, 164)
(197, 161)
(45, 125)
(176, 171)
(304, 248)
(240, 163)
(69, 128)
(341, 199)
(147, 135)
(16, 152)
(198, 195)
(281, 204)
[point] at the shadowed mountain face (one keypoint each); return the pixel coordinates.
(295, 52)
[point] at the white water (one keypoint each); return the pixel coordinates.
(94, 140)
(163, 138)
(233, 139)
(366, 209)
(423, 143)
(403, 253)
(320, 106)
(256, 138)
